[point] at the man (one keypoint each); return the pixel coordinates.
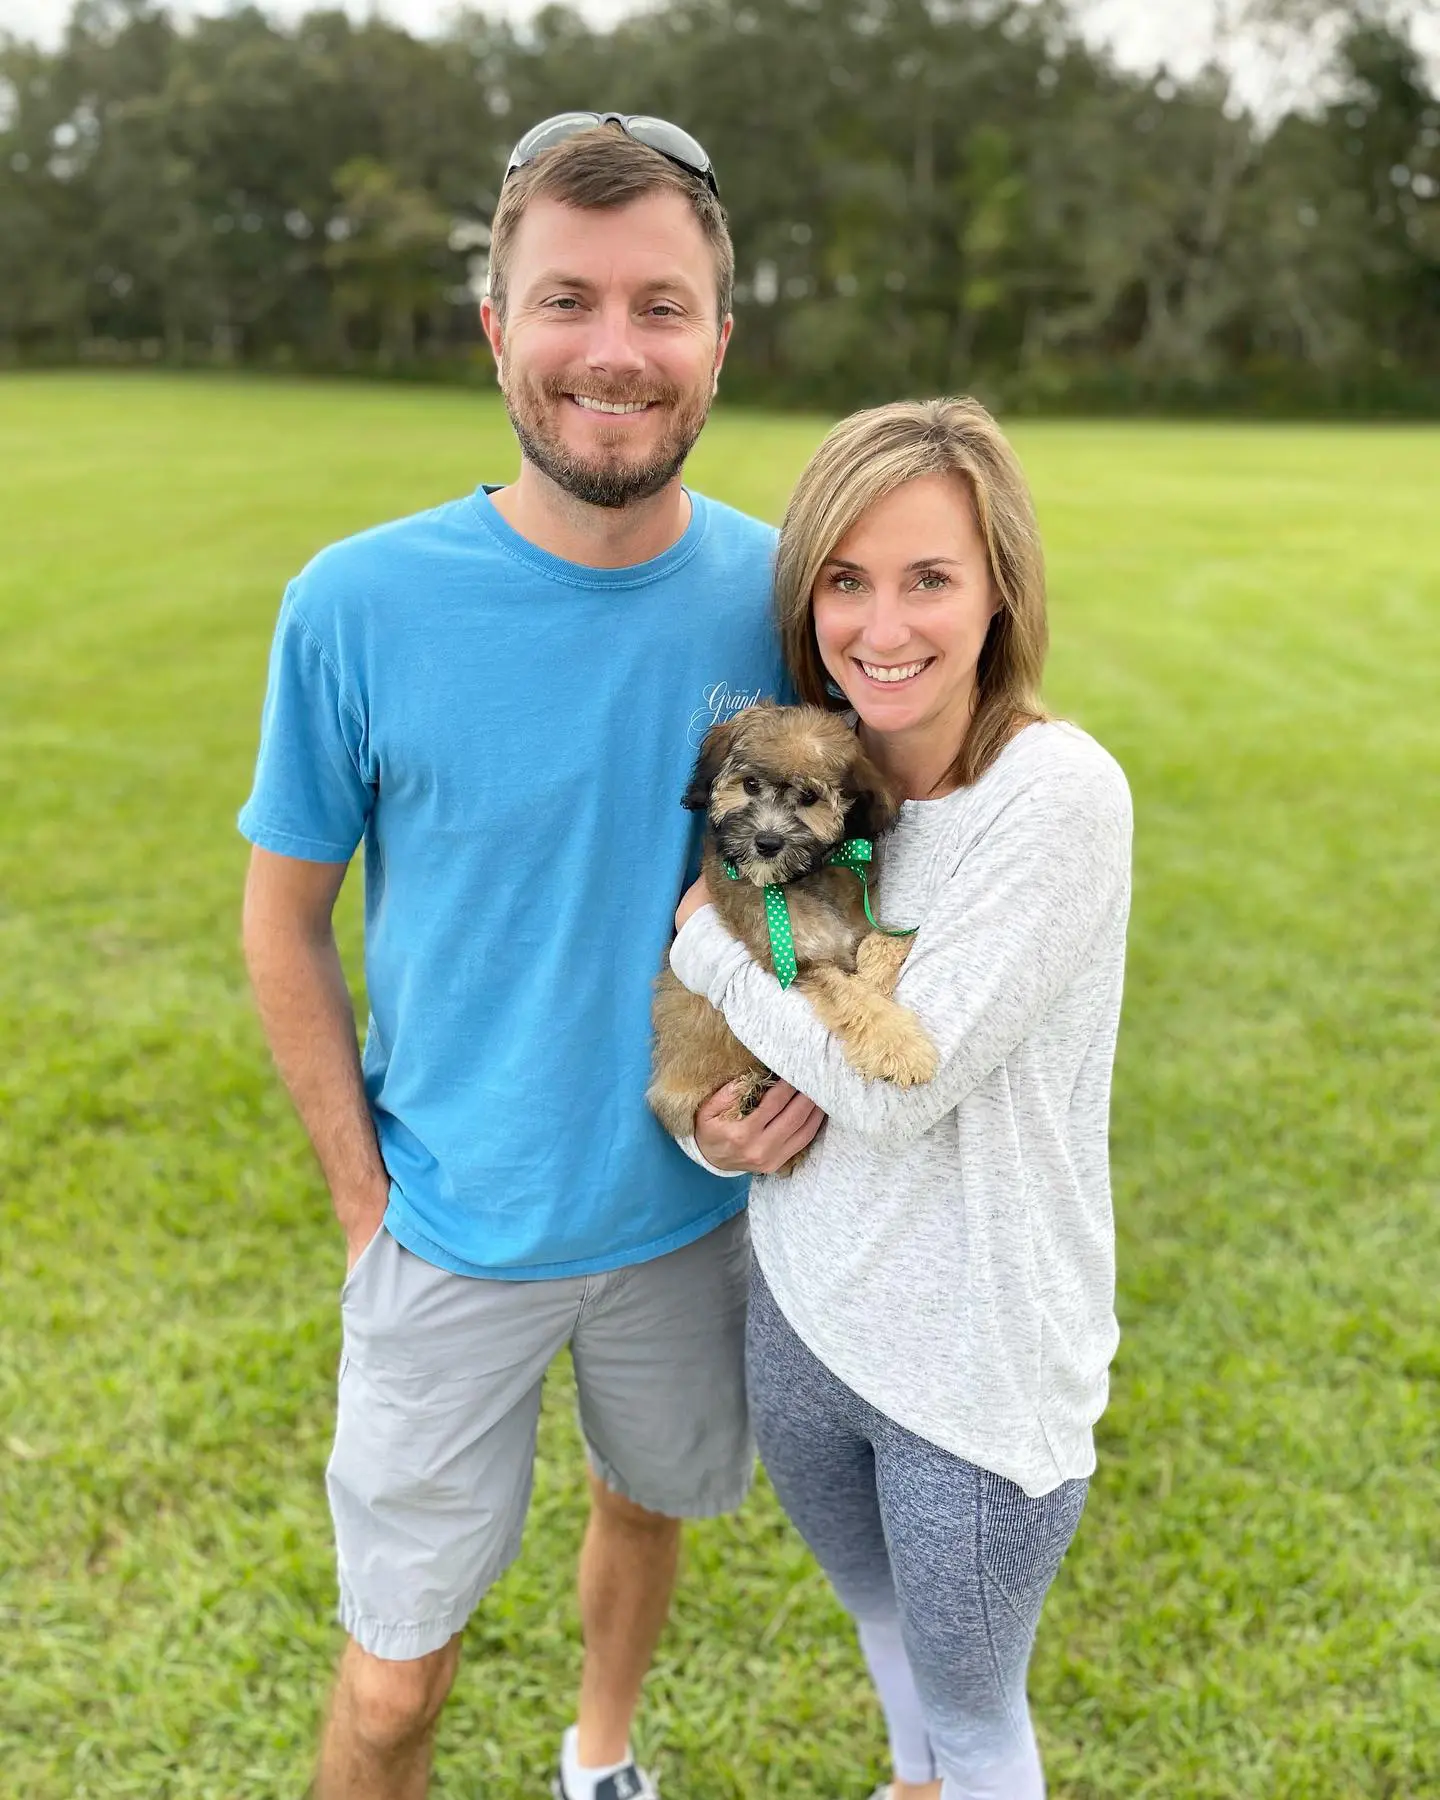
(501, 698)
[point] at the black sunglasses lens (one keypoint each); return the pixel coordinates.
(549, 132)
(671, 141)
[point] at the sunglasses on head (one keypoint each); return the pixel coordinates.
(675, 145)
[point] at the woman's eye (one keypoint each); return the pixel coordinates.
(933, 579)
(751, 785)
(845, 584)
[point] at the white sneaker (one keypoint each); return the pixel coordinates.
(629, 1783)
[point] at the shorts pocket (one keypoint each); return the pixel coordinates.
(366, 1256)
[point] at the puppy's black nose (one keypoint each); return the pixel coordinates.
(769, 845)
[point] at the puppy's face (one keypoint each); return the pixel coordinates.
(782, 787)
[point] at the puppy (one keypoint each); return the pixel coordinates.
(783, 787)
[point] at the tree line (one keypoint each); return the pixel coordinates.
(925, 195)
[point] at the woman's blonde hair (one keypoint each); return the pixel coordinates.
(864, 459)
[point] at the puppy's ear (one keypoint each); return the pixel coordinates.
(713, 752)
(873, 804)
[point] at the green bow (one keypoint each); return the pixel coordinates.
(855, 854)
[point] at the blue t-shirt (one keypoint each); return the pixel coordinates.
(510, 735)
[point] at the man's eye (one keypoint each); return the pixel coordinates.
(750, 785)
(807, 796)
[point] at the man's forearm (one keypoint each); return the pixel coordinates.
(309, 1020)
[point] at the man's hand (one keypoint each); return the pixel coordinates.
(763, 1141)
(696, 896)
(360, 1219)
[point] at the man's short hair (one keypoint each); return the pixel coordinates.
(599, 169)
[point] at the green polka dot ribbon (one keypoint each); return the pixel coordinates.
(856, 855)
(782, 939)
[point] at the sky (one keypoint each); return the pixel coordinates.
(1142, 33)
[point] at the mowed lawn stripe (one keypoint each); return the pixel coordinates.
(1247, 617)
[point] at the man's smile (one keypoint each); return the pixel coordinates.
(612, 408)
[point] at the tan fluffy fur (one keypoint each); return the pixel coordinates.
(816, 786)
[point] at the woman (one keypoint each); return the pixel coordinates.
(931, 1318)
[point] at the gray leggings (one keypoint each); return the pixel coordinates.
(943, 1565)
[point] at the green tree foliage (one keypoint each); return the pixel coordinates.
(925, 195)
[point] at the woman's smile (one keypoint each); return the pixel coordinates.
(891, 674)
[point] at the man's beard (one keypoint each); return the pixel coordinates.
(611, 480)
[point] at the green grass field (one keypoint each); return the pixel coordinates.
(1248, 618)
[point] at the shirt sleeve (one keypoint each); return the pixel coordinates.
(1010, 928)
(311, 796)
(692, 1150)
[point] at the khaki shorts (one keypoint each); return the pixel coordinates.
(440, 1384)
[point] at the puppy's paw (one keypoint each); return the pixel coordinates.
(753, 1088)
(895, 1049)
(879, 960)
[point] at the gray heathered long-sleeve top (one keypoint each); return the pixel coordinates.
(948, 1250)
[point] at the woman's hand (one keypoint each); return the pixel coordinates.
(763, 1141)
(696, 896)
